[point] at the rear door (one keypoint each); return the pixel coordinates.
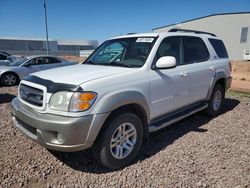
(198, 66)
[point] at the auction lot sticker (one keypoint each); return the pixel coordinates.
(145, 40)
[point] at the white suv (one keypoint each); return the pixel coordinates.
(129, 87)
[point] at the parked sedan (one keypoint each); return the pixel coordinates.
(13, 72)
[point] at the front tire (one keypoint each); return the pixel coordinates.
(120, 141)
(216, 101)
(9, 79)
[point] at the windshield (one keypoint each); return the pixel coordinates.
(18, 62)
(125, 52)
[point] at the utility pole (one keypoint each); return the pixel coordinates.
(47, 37)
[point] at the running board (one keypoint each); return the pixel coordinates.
(174, 117)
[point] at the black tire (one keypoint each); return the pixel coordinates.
(9, 79)
(214, 110)
(101, 150)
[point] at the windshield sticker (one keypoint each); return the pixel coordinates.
(145, 40)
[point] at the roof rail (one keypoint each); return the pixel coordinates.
(191, 31)
(131, 33)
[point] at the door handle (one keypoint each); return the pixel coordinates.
(184, 73)
(212, 68)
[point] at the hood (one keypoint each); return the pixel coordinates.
(3, 67)
(78, 74)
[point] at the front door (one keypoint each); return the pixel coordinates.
(34, 65)
(169, 88)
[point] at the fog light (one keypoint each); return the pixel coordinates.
(60, 138)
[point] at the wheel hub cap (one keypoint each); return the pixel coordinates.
(123, 141)
(217, 100)
(9, 79)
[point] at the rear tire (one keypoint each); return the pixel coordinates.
(216, 101)
(119, 143)
(9, 79)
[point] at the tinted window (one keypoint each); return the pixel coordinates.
(3, 57)
(35, 61)
(194, 50)
(219, 48)
(243, 36)
(50, 60)
(170, 46)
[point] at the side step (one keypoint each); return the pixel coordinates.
(177, 116)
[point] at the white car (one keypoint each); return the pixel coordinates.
(13, 72)
(111, 105)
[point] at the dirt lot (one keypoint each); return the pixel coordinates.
(241, 76)
(74, 58)
(196, 152)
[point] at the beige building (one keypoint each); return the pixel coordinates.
(232, 28)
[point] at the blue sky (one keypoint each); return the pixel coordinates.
(92, 19)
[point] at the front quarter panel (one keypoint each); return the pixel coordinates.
(111, 102)
(118, 99)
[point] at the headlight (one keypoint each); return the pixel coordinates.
(60, 100)
(72, 101)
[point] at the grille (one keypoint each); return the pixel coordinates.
(31, 95)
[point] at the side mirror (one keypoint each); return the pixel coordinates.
(166, 62)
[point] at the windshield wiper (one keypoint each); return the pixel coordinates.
(90, 62)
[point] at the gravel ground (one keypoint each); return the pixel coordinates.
(196, 152)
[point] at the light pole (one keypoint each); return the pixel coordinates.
(47, 38)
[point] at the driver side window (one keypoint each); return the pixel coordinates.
(35, 61)
(170, 46)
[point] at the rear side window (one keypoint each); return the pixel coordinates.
(194, 49)
(50, 60)
(219, 48)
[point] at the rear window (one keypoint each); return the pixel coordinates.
(219, 48)
(194, 50)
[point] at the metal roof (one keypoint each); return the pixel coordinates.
(25, 38)
(219, 14)
(59, 42)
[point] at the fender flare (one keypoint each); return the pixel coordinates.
(12, 72)
(112, 102)
(218, 75)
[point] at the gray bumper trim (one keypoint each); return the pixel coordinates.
(53, 131)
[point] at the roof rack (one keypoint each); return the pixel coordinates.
(191, 31)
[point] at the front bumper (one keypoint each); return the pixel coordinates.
(56, 132)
